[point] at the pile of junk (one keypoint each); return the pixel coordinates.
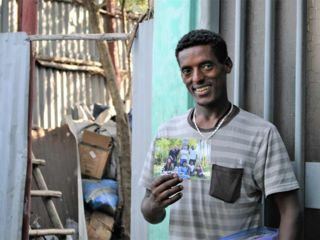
(81, 161)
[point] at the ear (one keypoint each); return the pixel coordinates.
(228, 65)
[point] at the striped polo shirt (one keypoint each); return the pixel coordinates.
(244, 141)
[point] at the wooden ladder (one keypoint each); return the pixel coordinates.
(47, 196)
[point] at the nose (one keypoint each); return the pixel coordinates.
(197, 76)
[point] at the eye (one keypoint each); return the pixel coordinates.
(207, 67)
(186, 72)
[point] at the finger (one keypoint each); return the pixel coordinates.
(161, 179)
(172, 200)
(166, 186)
(170, 193)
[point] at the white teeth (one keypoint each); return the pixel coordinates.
(202, 89)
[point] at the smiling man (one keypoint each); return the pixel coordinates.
(246, 156)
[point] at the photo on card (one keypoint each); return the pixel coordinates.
(189, 158)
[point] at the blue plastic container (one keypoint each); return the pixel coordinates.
(260, 233)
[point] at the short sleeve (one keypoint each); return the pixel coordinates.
(147, 170)
(147, 177)
(273, 170)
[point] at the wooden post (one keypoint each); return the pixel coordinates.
(123, 131)
(27, 22)
(110, 26)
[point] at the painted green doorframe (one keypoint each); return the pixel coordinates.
(172, 19)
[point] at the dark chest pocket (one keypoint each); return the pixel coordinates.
(225, 183)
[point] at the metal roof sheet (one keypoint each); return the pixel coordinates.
(14, 90)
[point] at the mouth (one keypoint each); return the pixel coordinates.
(201, 90)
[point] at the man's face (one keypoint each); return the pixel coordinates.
(203, 75)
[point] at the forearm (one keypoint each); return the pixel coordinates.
(289, 226)
(150, 214)
(289, 209)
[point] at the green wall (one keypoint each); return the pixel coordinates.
(172, 19)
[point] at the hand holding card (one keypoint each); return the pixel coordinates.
(164, 191)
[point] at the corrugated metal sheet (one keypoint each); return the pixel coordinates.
(58, 91)
(8, 16)
(141, 123)
(55, 17)
(14, 87)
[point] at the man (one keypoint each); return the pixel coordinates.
(173, 153)
(248, 157)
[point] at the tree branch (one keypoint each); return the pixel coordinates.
(78, 36)
(123, 131)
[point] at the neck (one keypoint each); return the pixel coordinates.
(208, 117)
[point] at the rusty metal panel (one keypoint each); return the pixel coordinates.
(14, 90)
(58, 148)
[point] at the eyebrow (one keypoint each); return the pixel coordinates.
(201, 63)
(206, 62)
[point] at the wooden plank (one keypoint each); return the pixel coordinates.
(69, 67)
(51, 231)
(98, 37)
(38, 161)
(46, 193)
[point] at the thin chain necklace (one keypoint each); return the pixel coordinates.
(216, 129)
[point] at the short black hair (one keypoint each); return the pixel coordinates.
(204, 37)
